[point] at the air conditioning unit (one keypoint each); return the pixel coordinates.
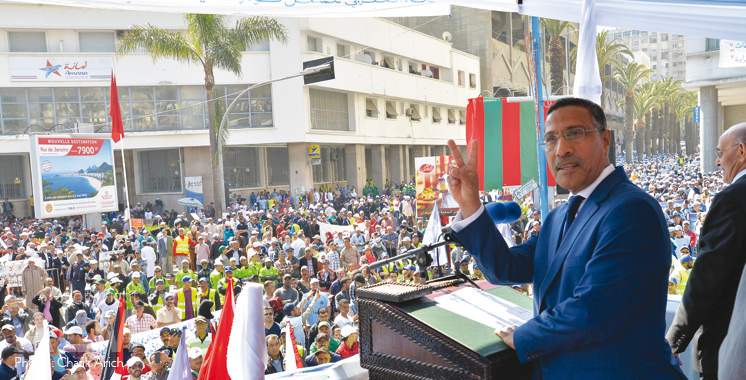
(409, 112)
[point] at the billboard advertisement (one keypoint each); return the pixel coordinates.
(432, 186)
(72, 176)
(193, 187)
(60, 69)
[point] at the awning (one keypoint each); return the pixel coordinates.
(415, 112)
(390, 110)
(436, 115)
(451, 117)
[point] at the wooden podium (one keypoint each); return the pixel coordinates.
(404, 334)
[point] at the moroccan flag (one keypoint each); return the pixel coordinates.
(507, 136)
(292, 356)
(114, 367)
(117, 129)
(215, 365)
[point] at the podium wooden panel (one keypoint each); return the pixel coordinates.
(399, 341)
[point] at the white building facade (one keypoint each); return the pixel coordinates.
(398, 94)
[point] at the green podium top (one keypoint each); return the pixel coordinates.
(474, 335)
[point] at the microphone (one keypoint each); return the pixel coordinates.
(504, 212)
(500, 212)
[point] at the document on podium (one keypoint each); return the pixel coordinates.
(484, 308)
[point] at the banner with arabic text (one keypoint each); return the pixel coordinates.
(287, 8)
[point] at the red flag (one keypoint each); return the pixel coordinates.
(215, 365)
(117, 129)
(290, 336)
(114, 367)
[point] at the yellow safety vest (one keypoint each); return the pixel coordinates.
(684, 274)
(182, 302)
(160, 304)
(182, 246)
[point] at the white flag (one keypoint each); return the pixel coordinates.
(39, 369)
(247, 347)
(431, 235)
(587, 83)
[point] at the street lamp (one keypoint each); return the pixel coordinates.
(306, 72)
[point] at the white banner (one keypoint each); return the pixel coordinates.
(72, 176)
(732, 53)
(291, 8)
(326, 227)
(14, 269)
(60, 69)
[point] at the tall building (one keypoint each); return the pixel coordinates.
(722, 93)
(667, 52)
(398, 94)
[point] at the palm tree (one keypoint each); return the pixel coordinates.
(690, 137)
(607, 53)
(629, 76)
(556, 51)
(670, 93)
(207, 41)
(645, 100)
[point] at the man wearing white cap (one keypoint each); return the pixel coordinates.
(195, 360)
(135, 367)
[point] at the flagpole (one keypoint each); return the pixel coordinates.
(126, 189)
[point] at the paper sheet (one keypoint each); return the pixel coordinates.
(484, 308)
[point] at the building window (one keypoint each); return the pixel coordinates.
(262, 46)
(333, 166)
(451, 117)
(12, 177)
(414, 111)
(160, 171)
(313, 44)
(436, 115)
(664, 37)
(371, 108)
(472, 80)
(391, 110)
(253, 109)
(462, 117)
(461, 78)
(96, 42)
(712, 44)
(278, 166)
(329, 110)
(27, 41)
(242, 167)
(343, 51)
(388, 62)
(653, 40)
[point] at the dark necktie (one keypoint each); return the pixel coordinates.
(572, 210)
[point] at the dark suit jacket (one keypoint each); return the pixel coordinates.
(54, 309)
(708, 300)
(313, 266)
(599, 294)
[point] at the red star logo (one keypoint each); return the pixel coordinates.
(55, 71)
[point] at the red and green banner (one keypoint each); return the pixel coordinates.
(507, 141)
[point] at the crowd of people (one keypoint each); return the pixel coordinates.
(176, 268)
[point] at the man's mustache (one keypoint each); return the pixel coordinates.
(563, 160)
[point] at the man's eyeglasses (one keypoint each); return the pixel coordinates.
(721, 151)
(573, 135)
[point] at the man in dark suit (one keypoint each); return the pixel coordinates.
(706, 307)
(599, 264)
